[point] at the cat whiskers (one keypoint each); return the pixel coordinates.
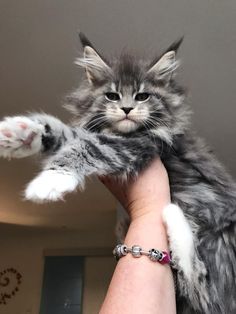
(98, 121)
(155, 122)
(145, 124)
(159, 122)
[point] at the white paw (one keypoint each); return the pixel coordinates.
(20, 137)
(49, 186)
(181, 238)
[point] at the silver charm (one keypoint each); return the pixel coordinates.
(136, 251)
(155, 255)
(119, 251)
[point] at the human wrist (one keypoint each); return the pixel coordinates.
(147, 208)
(148, 230)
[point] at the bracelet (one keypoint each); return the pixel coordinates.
(154, 255)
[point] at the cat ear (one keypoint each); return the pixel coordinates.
(163, 67)
(84, 40)
(96, 68)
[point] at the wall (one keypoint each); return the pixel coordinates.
(24, 251)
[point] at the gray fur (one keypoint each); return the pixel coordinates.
(96, 145)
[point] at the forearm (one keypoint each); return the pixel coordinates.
(138, 284)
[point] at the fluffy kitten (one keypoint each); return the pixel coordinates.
(127, 112)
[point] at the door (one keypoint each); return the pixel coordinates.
(62, 285)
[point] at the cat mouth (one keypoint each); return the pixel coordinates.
(126, 125)
(127, 119)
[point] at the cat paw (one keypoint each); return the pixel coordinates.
(50, 185)
(181, 239)
(20, 137)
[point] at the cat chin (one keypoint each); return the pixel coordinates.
(126, 126)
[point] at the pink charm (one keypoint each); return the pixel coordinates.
(165, 259)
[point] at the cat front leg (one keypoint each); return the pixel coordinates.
(62, 173)
(23, 136)
(88, 154)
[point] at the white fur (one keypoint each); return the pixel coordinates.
(141, 88)
(50, 185)
(13, 145)
(180, 238)
(126, 126)
(164, 133)
(113, 87)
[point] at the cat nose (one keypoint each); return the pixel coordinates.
(127, 109)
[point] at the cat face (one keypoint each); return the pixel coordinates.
(130, 107)
(127, 95)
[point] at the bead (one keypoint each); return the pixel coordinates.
(119, 251)
(165, 258)
(155, 255)
(136, 251)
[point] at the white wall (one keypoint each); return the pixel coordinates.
(24, 251)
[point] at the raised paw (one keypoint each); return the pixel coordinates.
(50, 185)
(20, 137)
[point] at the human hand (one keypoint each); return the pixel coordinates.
(149, 193)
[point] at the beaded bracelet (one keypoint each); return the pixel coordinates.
(154, 255)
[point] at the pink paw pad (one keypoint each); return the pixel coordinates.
(23, 125)
(7, 133)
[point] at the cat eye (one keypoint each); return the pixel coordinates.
(142, 97)
(112, 96)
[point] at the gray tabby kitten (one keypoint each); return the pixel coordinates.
(127, 112)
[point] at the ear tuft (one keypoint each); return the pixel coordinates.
(175, 45)
(84, 40)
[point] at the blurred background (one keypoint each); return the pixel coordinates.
(38, 45)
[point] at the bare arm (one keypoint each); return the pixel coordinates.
(140, 285)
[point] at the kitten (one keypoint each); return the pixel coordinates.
(128, 111)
